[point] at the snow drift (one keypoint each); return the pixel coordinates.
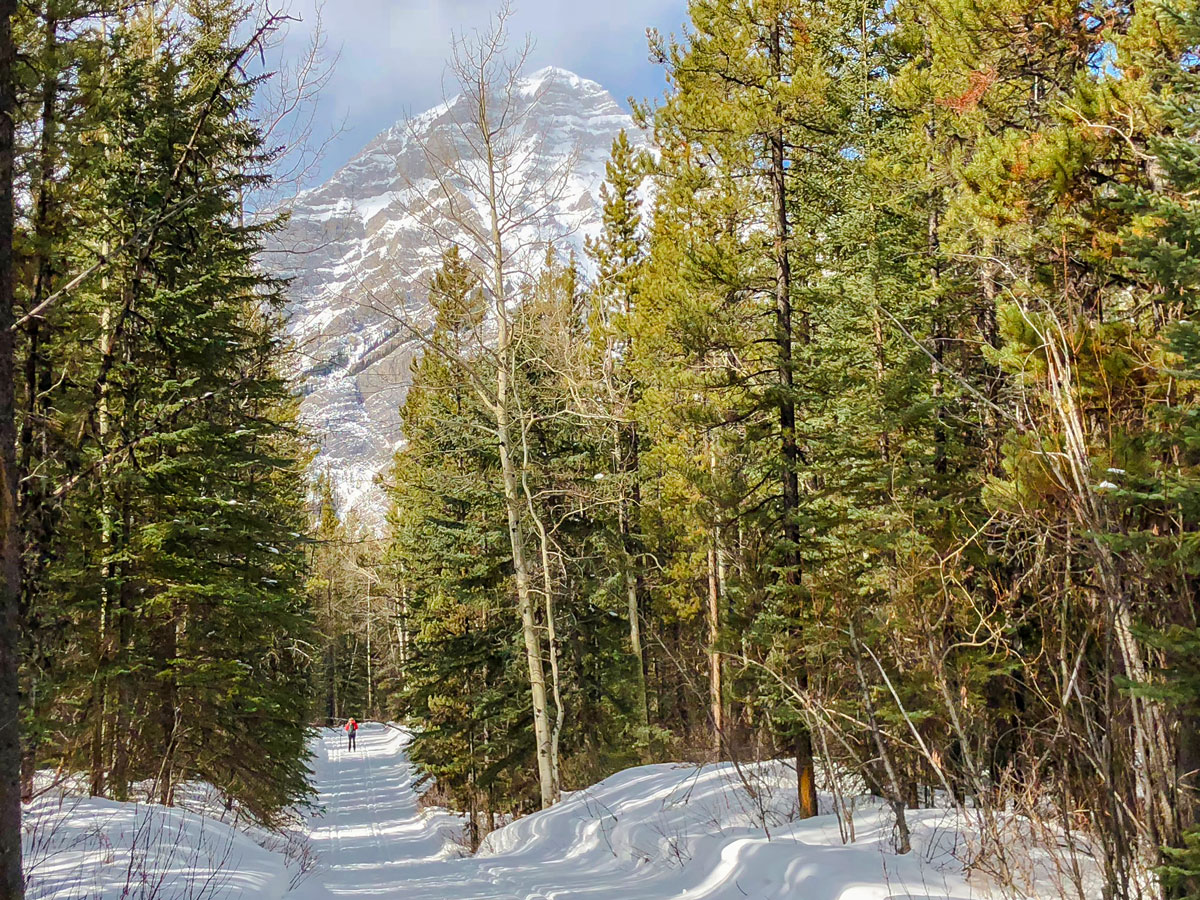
(87, 848)
(719, 832)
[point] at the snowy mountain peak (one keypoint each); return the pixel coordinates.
(556, 75)
(554, 72)
(360, 259)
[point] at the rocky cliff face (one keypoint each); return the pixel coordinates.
(360, 251)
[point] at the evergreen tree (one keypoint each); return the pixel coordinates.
(620, 255)
(461, 677)
(171, 577)
(1160, 495)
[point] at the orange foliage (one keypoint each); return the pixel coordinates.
(978, 82)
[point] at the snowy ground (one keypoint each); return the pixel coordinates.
(90, 849)
(650, 833)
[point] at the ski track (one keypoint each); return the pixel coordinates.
(372, 837)
(658, 832)
(654, 832)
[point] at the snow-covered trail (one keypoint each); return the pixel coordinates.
(372, 837)
(651, 833)
(654, 832)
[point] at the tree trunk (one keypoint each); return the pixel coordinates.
(168, 702)
(332, 662)
(516, 537)
(508, 473)
(626, 461)
(11, 880)
(105, 651)
(551, 627)
(403, 627)
(35, 510)
(933, 244)
(552, 640)
(715, 694)
(122, 729)
(893, 790)
(633, 591)
(790, 563)
(370, 666)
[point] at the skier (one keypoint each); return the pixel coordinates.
(351, 731)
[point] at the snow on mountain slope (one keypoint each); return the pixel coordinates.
(360, 252)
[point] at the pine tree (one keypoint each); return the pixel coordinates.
(759, 97)
(461, 677)
(1162, 498)
(173, 571)
(619, 255)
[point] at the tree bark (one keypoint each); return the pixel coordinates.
(633, 592)
(36, 512)
(512, 506)
(790, 562)
(370, 665)
(552, 640)
(11, 879)
(332, 664)
(533, 644)
(168, 716)
(715, 691)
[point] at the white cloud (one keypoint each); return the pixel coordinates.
(393, 52)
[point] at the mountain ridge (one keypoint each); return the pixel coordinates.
(359, 261)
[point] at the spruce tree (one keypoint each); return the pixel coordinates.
(619, 254)
(461, 677)
(172, 574)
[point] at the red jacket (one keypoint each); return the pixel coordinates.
(352, 725)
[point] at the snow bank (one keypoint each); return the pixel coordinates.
(717, 832)
(86, 847)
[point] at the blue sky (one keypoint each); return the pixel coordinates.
(393, 53)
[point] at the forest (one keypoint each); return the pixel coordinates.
(864, 433)
(864, 436)
(154, 510)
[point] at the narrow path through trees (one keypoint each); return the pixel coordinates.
(371, 835)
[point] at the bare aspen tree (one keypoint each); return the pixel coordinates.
(482, 193)
(551, 628)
